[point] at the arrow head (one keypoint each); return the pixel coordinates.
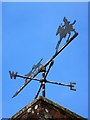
(15, 94)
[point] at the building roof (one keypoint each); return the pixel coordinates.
(44, 109)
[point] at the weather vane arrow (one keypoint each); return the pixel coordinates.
(63, 30)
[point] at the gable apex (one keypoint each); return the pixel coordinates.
(42, 109)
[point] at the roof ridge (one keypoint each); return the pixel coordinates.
(41, 98)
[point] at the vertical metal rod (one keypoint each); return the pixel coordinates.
(43, 84)
(38, 91)
(43, 89)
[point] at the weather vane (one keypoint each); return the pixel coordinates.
(62, 30)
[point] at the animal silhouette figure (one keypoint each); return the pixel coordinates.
(65, 29)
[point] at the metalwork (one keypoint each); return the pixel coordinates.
(63, 30)
(34, 69)
(39, 68)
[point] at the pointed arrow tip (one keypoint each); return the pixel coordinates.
(13, 95)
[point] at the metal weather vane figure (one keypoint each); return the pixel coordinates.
(63, 30)
(34, 69)
(38, 68)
